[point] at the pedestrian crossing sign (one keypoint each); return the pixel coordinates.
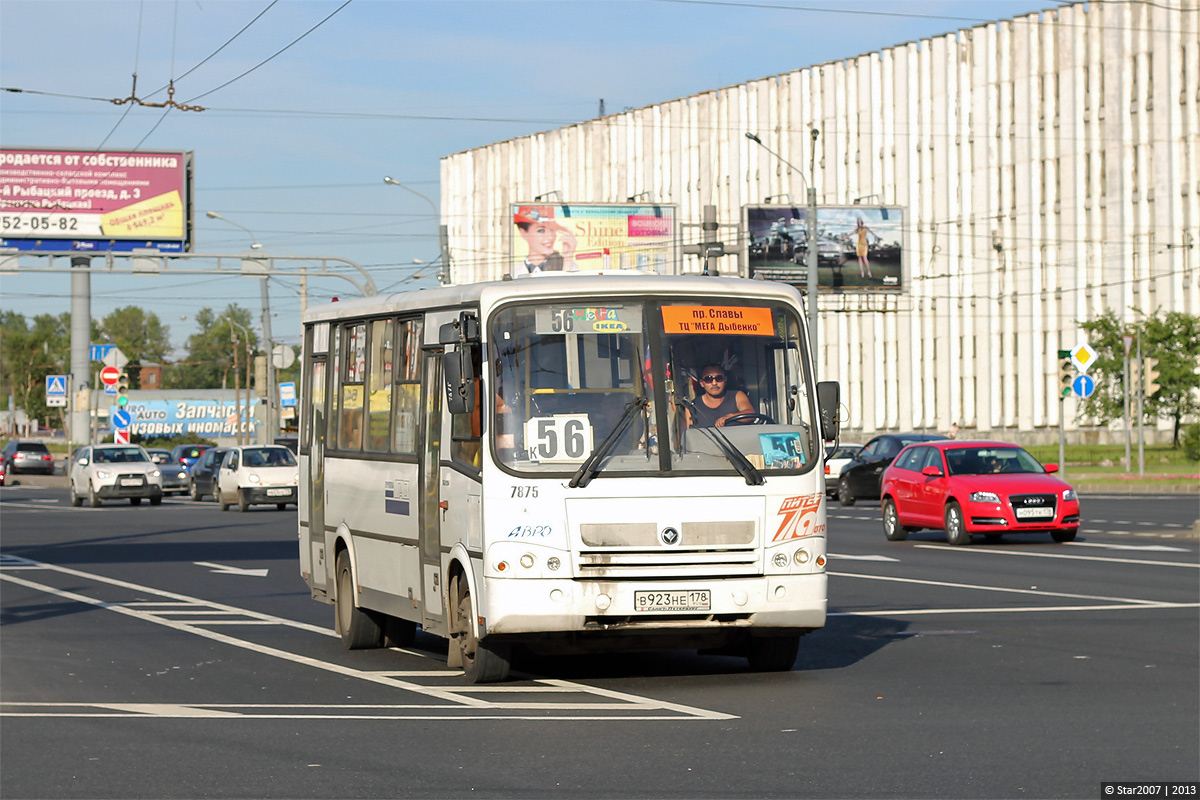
(56, 391)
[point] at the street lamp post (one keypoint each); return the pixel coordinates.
(254, 245)
(443, 243)
(237, 391)
(811, 243)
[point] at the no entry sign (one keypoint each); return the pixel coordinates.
(110, 375)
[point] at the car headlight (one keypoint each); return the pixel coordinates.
(156, 474)
(182, 474)
(252, 478)
(1069, 494)
(985, 497)
(102, 474)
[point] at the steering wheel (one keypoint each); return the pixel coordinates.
(749, 418)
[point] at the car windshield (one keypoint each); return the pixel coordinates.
(119, 455)
(843, 452)
(989, 460)
(268, 457)
(568, 376)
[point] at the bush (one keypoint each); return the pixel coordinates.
(1190, 440)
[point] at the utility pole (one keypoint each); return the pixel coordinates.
(1127, 339)
(1139, 388)
(268, 391)
(81, 343)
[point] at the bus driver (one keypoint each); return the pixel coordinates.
(715, 404)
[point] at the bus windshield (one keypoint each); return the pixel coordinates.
(681, 386)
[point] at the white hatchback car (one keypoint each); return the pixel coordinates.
(252, 475)
(835, 459)
(113, 472)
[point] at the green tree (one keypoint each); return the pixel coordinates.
(140, 336)
(210, 351)
(29, 351)
(1173, 338)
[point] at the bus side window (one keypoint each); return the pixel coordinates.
(406, 410)
(352, 372)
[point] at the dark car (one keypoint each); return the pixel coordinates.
(188, 454)
(21, 456)
(863, 475)
(203, 475)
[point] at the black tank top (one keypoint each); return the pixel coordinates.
(707, 417)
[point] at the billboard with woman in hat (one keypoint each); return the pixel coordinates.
(585, 237)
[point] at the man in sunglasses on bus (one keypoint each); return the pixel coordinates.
(715, 404)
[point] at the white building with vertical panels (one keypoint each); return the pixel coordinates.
(1049, 166)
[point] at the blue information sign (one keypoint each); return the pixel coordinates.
(121, 418)
(1083, 386)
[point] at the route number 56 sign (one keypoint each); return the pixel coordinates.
(563, 437)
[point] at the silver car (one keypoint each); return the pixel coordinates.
(110, 472)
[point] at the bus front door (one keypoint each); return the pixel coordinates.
(316, 477)
(432, 614)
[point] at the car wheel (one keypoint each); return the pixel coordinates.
(1064, 536)
(221, 500)
(76, 499)
(93, 499)
(243, 500)
(197, 495)
(844, 495)
(359, 629)
(956, 526)
(135, 501)
(480, 662)
(893, 531)
(156, 501)
(281, 506)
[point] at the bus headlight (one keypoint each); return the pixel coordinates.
(780, 560)
(553, 563)
(802, 556)
(527, 561)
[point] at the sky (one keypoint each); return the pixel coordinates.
(308, 104)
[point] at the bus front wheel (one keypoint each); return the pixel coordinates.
(357, 627)
(773, 653)
(481, 663)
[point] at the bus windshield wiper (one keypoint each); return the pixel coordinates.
(736, 457)
(589, 468)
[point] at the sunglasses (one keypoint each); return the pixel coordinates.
(712, 378)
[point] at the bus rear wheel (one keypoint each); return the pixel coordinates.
(481, 663)
(358, 627)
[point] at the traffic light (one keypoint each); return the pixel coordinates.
(1150, 383)
(123, 390)
(1066, 374)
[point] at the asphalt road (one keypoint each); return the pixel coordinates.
(173, 651)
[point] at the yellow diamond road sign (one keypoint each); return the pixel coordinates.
(1083, 356)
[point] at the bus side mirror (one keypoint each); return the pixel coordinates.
(829, 397)
(459, 373)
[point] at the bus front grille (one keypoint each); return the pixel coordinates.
(672, 563)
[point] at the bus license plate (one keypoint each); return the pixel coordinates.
(1035, 513)
(678, 601)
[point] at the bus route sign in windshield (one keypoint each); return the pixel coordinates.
(588, 319)
(743, 320)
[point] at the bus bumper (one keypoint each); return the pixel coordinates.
(534, 605)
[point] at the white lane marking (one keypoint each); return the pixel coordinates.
(843, 557)
(451, 694)
(1162, 548)
(1015, 610)
(223, 569)
(1068, 556)
(1002, 589)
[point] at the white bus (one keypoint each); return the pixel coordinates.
(528, 462)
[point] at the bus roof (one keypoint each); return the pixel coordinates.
(490, 293)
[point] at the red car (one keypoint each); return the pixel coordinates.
(984, 487)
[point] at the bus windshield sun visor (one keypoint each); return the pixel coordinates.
(591, 467)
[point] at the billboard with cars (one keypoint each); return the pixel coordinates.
(859, 248)
(98, 201)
